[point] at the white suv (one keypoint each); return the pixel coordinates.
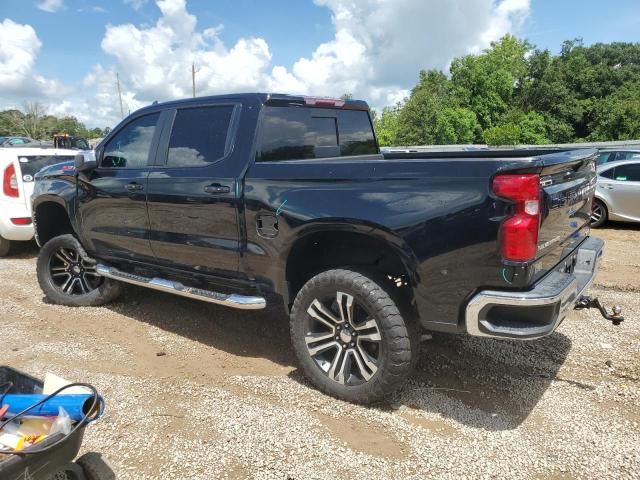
(18, 167)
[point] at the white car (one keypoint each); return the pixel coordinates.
(618, 193)
(18, 167)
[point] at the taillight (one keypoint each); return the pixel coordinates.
(21, 221)
(519, 232)
(10, 182)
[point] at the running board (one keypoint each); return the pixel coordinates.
(228, 300)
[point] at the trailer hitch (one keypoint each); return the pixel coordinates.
(614, 317)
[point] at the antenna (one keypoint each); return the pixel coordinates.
(119, 94)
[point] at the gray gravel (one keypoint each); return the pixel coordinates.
(226, 401)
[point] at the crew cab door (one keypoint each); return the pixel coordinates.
(192, 192)
(112, 198)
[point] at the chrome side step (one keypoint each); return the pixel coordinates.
(228, 300)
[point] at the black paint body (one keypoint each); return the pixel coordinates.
(434, 211)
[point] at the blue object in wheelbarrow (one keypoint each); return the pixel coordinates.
(52, 455)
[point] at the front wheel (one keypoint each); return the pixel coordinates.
(68, 277)
(350, 338)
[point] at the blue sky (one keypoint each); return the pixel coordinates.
(73, 50)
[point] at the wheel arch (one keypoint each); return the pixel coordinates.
(51, 218)
(329, 245)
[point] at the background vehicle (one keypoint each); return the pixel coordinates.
(18, 142)
(606, 156)
(618, 193)
(70, 142)
(253, 200)
(18, 167)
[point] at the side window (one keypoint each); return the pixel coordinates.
(627, 173)
(199, 136)
(130, 147)
(608, 173)
(291, 133)
(356, 133)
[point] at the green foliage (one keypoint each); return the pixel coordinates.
(386, 126)
(504, 134)
(34, 123)
(456, 125)
(512, 93)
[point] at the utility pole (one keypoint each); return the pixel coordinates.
(119, 94)
(193, 78)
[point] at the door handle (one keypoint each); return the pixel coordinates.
(217, 189)
(133, 186)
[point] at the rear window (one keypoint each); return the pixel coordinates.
(199, 136)
(32, 164)
(293, 133)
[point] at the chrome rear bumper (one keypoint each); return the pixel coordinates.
(537, 312)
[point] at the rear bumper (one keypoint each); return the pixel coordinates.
(15, 232)
(536, 312)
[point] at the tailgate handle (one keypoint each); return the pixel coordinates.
(217, 189)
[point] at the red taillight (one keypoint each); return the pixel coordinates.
(21, 221)
(10, 182)
(519, 232)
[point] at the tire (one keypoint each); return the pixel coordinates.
(68, 277)
(94, 467)
(599, 213)
(334, 354)
(5, 247)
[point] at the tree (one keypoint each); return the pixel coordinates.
(386, 125)
(456, 125)
(488, 84)
(617, 117)
(505, 134)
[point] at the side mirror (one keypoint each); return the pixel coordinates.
(85, 161)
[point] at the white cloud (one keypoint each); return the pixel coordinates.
(49, 5)
(135, 4)
(376, 52)
(19, 47)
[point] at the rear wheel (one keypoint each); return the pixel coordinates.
(598, 213)
(68, 277)
(350, 337)
(5, 247)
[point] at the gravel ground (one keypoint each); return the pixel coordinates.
(195, 391)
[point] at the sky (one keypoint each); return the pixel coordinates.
(65, 54)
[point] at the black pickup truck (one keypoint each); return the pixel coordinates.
(255, 200)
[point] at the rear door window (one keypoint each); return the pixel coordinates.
(297, 133)
(199, 136)
(627, 173)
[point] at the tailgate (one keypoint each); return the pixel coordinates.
(568, 181)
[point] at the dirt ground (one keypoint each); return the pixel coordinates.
(197, 391)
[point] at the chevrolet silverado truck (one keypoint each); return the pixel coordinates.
(256, 200)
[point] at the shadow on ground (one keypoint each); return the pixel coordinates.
(262, 334)
(483, 383)
(23, 250)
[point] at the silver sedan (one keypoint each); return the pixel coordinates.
(617, 193)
